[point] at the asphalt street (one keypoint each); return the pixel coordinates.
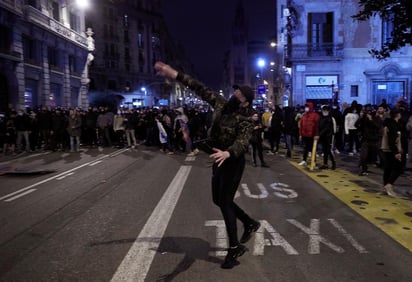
(140, 215)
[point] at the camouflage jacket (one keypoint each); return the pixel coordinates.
(229, 131)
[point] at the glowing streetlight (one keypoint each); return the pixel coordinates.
(83, 4)
(261, 63)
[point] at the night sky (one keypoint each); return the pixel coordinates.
(203, 28)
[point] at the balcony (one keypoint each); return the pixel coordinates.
(37, 17)
(315, 52)
(10, 55)
(14, 6)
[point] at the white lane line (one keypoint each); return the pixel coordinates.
(20, 195)
(136, 263)
(64, 176)
(56, 176)
(95, 163)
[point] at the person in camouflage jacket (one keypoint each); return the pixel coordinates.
(229, 137)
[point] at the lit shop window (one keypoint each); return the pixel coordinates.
(28, 97)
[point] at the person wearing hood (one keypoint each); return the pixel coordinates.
(309, 130)
(228, 137)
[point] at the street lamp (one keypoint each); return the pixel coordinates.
(83, 4)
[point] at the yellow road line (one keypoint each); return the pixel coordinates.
(393, 216)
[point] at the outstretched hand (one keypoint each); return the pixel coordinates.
(165, 70)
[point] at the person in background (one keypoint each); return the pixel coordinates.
(118, 128)
(10, 136)
(182, 133)
(275, 130)
(309, 130)
(327, 127)
(289, 129)
(74, 129)
(351, 131)
(256, 140)
(22, 124)
(130, 125)
(392, 150)
(338, 144)
(229, 137)
(409, 130)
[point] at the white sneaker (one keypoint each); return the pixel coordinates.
(270, 153)
(196, 151)
(309, 154)
(191, 154)
(351, 154)
(302, 163)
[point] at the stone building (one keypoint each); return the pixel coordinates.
(43, 51)
(327, 51)
(129, 37)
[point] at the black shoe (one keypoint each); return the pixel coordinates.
(264, 165)
(232, 255)
(333, 166)
(324, 167)
(254, 165)
(249, 229)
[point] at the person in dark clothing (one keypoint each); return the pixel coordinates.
(326, 131)
(338, 140)
(90, 128)
(44, 125)
(368, 125)
(58, 131)
(256, 140)
(275, 130)
(402, 107)
(392, 150)
(229, 137)
(289, 129)
(22, 124)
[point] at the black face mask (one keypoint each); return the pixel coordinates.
(233, 104)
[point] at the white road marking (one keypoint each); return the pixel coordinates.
(221, 237)
(20, 195)
(260, 241)
(282, 191)
(136, 263)
(277, 240)
(263, 192)
(314, 236)
(95, 163)
(349, 237)
(64, 176)
(57, 176)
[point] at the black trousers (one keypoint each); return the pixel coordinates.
(391, 169)
(326, 143)
(369, 149)
(225, 181)
(307, 146)
(257, 147)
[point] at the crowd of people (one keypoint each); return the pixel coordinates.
(355, 129)
(58, 129)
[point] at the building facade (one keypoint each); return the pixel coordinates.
(42, 54)
(327, 51)
(130, 36)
